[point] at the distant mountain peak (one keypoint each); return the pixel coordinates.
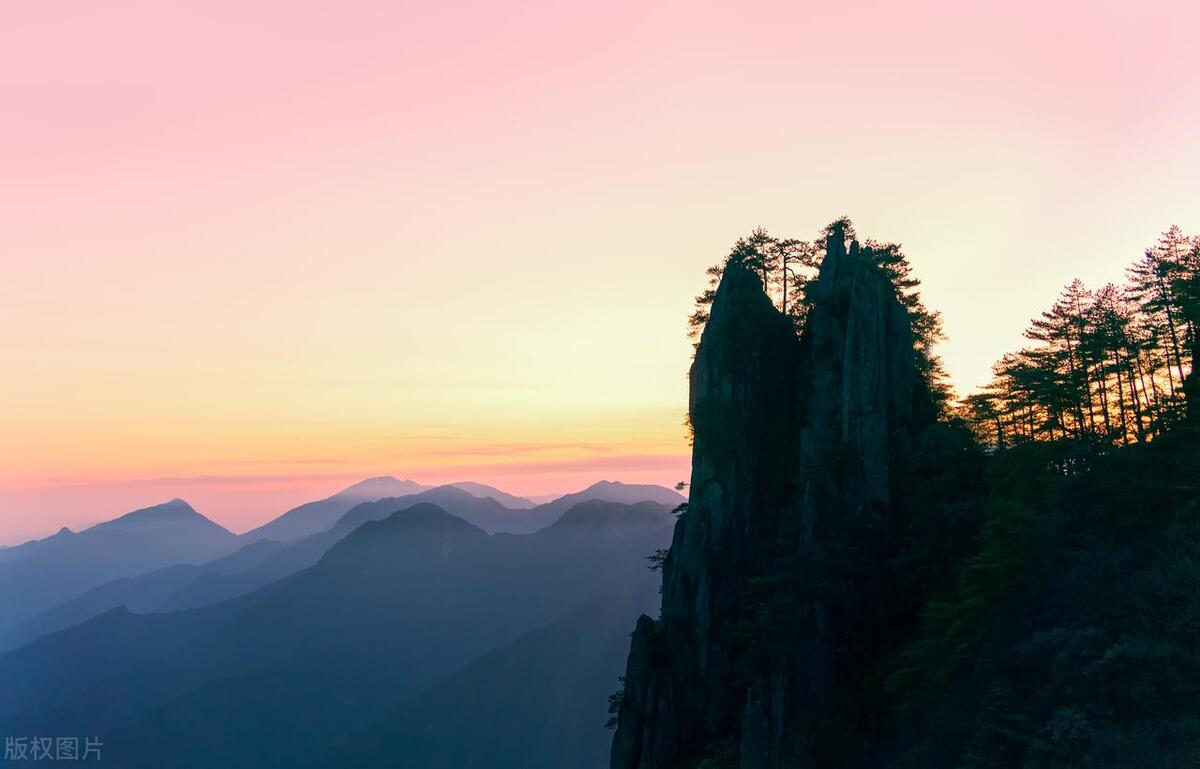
(606, 484)
(602, 512)
(175, 509)
(423, 515)
(375, 479)
(457, 493)
(313, 517)
(613, 485)
(609, 491)
(172, 515)
(426, 512)
(407, 526)
(618, 491)
(453, 491)
(381, 486)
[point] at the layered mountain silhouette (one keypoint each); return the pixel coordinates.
(609, 491)
(186, 584)
(43, 573)
(294, 668)
(148, 592)
(212, 586)
(483, 491)
(313, 517)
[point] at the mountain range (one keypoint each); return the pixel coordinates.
(181, 560)
(336, 627)
(381, 621)
(42, 573)
(315, 517)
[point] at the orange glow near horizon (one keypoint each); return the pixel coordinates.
(253, 252)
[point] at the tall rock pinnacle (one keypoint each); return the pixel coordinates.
(771, 567)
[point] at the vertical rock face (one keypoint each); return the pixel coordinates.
(857, 389)
(743, 409)
(773, 563)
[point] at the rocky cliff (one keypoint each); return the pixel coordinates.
(775, 564)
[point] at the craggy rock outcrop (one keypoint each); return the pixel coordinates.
(775, 562)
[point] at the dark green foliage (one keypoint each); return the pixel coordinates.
(951, 625)
(1072, 636)
(1057, 580)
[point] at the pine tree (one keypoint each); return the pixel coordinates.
(1152, 283)
(1060, 331)
(1112, 363)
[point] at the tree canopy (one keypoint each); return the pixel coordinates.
(787, 266)
(1107, 364)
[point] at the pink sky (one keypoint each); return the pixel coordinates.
(253, 251)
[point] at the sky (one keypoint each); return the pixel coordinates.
(255, 251)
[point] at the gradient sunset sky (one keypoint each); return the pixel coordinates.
(254, 251)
